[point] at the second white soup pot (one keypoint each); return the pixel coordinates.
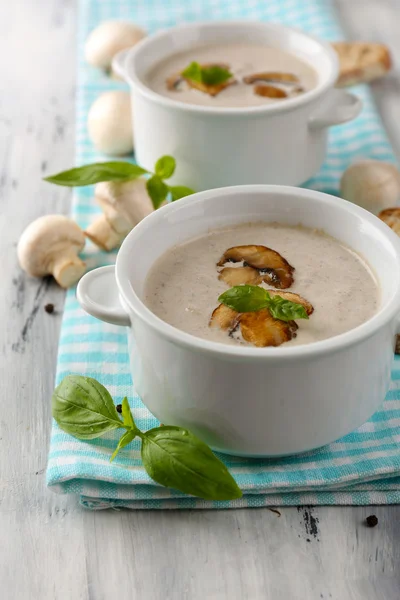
(280, 143)
(244, 400)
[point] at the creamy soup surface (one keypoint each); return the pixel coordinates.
(242, 59)
(182, 287)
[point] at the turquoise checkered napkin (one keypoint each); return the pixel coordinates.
(363, 467)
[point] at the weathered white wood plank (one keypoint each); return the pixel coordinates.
(51, 548)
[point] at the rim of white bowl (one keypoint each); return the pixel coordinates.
(385, 313)
(289, 103)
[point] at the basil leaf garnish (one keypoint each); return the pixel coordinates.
(285, 310)
(157, 190)
(250, 298)
(176, 458)
(211, 75)
(180, 191)
(165, 167)
(97, 172)
(214, 75)
(245, 298)
(84, 408)
(193, 72)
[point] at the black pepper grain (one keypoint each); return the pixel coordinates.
(49, 308)
(372, 521)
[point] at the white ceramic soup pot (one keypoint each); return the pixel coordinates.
(244, 400)
(279, 143)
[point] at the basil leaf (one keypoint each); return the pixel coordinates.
(157, 190)
(84, 408)
(214, 75)
(180, 191)
(285, 310)
(124, 441)
(193, 72)
(176, 458)
(96, 172)
(165, 167)
(250, 298)
(245, 298)
(127, 416)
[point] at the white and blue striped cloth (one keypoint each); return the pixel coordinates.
(363, 467)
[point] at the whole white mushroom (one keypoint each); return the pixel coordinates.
(124, 204)
(110, 123)
(372, 184)
(50, 246)
(109, 38)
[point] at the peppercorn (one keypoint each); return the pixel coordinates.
(372, 521)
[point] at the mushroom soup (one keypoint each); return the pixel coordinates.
(232, 75)
(333, 285)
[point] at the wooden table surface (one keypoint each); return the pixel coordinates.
(51, 548)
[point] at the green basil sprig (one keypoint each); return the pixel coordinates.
(172, 456)
(211, 75)
(250, 298)
(97, 172)
(157, 189)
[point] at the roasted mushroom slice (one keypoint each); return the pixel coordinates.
(224, 318)
(269, 91)
(261, 329)
(240, 275)
(174, 82)
(258, 328)
(391, 216)
(294, 298)
(273, 268)
(271, 77)
(211, 90)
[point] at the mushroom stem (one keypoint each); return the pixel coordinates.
(124, 204)
(67, 269)
(50, 246)
(101, 233)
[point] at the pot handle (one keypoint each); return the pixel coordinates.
(340, 108)
(119, 62)
(98, 295)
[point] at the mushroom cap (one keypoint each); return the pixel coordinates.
(110, 123)
(391, 216)
(109, 38)
(273, 267)
(44, 240)
(130, 199)
(259, 328)
(372, 184)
